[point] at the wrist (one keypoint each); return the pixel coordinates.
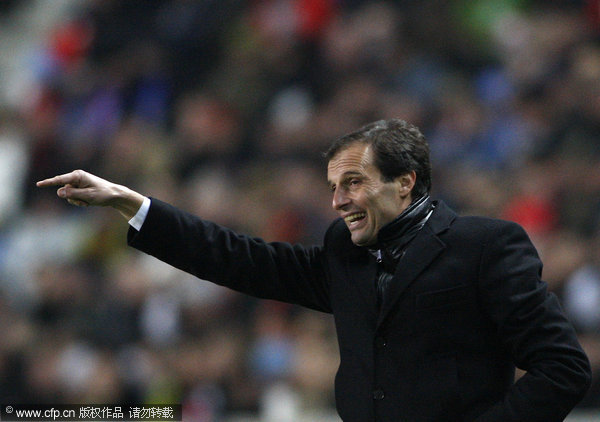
(127, 201)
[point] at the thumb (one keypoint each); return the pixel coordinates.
(73, 195)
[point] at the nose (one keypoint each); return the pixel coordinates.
(339, 199)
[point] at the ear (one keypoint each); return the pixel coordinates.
(406, 183)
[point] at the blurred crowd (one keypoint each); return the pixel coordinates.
(223, 108)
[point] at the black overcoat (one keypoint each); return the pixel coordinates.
(465, 307)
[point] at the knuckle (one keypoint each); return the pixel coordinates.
(78, 177)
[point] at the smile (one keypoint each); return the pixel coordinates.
(353, 218)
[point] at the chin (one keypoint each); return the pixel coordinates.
(357, 242)
(361, 242)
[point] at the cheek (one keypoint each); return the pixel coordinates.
(375, 200)
(383, 210)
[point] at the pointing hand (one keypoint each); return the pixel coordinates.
(82, 189)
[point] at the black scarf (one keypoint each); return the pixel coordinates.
(393, 238)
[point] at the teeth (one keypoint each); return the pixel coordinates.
(353, 217)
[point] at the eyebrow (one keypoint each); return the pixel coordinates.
(347, 175)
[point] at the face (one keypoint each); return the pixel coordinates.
(361, 197)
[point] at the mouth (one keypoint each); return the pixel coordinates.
(353, 219)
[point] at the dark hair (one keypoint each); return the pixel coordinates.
(398, 148)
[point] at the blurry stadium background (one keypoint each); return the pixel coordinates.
(223, 108)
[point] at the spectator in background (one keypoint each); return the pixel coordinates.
(86, 92)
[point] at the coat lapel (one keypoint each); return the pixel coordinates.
(422, 250)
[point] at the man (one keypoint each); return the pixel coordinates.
(432, 310)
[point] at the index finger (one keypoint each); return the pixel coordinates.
(62, 179)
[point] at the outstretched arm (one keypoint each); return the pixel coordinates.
(82, 189)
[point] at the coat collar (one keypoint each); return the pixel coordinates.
(422, 250)
(420, 253)
(442, 217)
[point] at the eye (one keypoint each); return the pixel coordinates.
(354, 182)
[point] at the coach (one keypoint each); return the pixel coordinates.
(433, 311)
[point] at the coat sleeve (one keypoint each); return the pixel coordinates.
(533, 329)
(276, 270)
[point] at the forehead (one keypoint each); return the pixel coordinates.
(355, 158)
